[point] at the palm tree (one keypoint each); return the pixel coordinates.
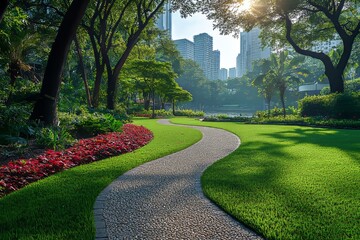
(282, 71)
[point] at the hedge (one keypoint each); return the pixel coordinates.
(335, 106)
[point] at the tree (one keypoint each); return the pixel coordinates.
(281, 71)
(45, 107)
(193, 80)
(263, 81)
(156, 76)
(178, 94)
(302, 23)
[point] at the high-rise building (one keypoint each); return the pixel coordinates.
(251, 50)
(203, 53)
(238, 66)
(186, 48)
(164, 20)
(215, 65)
(232, 73)
(223, 74)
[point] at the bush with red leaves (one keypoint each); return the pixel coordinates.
(19, 173)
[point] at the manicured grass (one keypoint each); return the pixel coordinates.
(61, 206)
(289, 182)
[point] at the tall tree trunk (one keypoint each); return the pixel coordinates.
(83, 71)
(173, 106)
(282, 99)
(333, 72)
(153, 103)
(336, 79)
(268, 100)
(3, 5)
(45, 108)
(13, 70)
(113, 78)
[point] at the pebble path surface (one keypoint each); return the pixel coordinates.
(163, 199)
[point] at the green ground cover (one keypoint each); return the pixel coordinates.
(60, 206)
(289, 182)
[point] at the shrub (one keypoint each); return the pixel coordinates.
(225, 118)
(94, 124)
(14, 120)
(54, 138)
(291, 110)
(158, 113)
(337, 106)
(85, 124)
(189, 113)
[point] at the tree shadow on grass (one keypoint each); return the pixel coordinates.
(345, 140)
(256, 181)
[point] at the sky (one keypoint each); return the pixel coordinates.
(228, 46)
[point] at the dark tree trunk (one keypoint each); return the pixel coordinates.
(173, 106)
(131, 42)
(153, 104)
(268, 100)
(3, 5)
(333, 72)
(97, 85)
(336, 79)
(83, 72)
(282, 99)
(14, 72)
(146, 97)
(113, 76)
(45, 108)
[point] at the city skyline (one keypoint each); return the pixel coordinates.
(197, 24)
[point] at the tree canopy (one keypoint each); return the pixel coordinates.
(300, 23)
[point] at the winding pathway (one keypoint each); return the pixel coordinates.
(162, 199)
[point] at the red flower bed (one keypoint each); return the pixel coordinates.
(17, 174)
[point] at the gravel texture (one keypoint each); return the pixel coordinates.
(163, 199)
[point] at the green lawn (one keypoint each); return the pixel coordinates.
(289, 182)
(60, 207)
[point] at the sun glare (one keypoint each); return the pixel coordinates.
(245, 6)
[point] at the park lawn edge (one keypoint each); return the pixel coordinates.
(61, 206)
(305, 196)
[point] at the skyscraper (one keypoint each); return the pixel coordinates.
(215, 65)
(223, 74)
(164, 20)
(238, 66)
(186, 48)
(250, 50)
(232, 73)
(203, 53)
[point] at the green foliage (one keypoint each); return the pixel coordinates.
(274, 112)
(55, 138)
(337, 106)
(189, 113)
(225, 118)
(14, 120)
(12, 141)
(90, 124)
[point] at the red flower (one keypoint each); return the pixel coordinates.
(19, 173)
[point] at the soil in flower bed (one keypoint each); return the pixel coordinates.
(19, 173)
(10, 153)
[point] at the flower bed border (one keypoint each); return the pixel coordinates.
(19, 173)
